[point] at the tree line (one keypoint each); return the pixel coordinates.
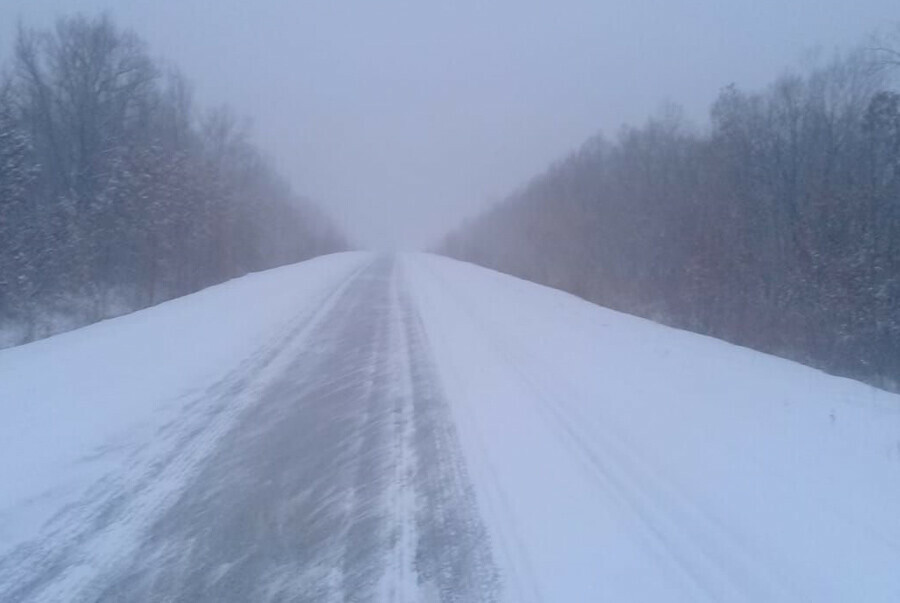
(776, 227)
(116, 192)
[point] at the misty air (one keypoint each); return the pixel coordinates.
(458, 302)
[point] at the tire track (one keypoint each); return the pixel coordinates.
(454, 560)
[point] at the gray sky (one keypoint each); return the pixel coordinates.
(403, 117)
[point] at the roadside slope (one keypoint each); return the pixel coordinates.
(618, 459)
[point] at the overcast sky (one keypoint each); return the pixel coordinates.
(402, 117)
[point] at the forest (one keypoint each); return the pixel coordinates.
(775, 226)
(117, 192)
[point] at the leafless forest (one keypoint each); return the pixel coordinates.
(776, 226)
(118, 193)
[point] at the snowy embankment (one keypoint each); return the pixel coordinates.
(86, 406)
(617, 459)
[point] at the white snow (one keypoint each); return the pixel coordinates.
(80, 405)
(617, 459)
(612, 458)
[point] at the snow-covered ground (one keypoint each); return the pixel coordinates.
(469, 424)
(81, 405)
(617, 459)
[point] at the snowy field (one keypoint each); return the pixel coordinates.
(607, 457)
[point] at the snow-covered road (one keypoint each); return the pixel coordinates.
(409, 428)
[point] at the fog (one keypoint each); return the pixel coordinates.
(403, 118)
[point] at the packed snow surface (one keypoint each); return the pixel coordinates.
(406, 428)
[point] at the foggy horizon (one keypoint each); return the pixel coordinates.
(402, 120)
